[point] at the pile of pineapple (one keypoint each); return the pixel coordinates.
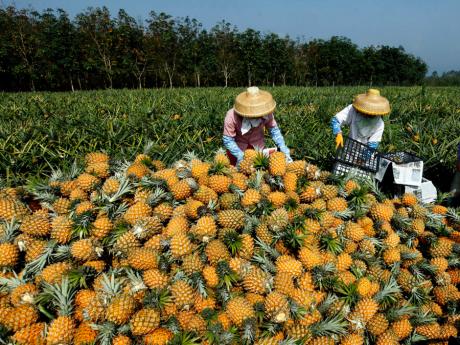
(205, 253)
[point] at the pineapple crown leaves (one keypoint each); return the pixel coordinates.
(217, 335)
(256, 181)
(114, 211)
(219, 168)
(388, 294)
(222, 296)
(105, 332)
(8, 284)
(423, 318)
(453, 215)
(394, 314)
(264, 262)
(158, 195)
(233, 241)
(332, 327)
(296, 311)
(157, 298)
(35, 266)
(185, 338)
(151, 183)
(326, 304)
(261, 161)
(267, 249)
(332, 244)
(249, 330)
(227, 277)
(111, 285)
(61, 296)
(293, 237)
(81, 277)
(324, 275)
(41, 190)
(348, 293)
(135, 280)
(10, 230)
(199, 284)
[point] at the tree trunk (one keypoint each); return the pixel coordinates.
(71, 84)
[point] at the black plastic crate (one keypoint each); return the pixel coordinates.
(400, 157)
(343, 169)
(356, 154)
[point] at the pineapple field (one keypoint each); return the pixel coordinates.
(122, 222)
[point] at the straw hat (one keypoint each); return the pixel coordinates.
(254, 103)
(371, 103)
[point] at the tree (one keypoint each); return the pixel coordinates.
(226, 43)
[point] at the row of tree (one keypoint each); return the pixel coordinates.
(51, 51)
(451, 78)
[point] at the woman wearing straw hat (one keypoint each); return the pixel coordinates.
(364, 117)
(244, 124)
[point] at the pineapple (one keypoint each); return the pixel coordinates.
(160, 336)
(228, 201)
(182, 189)
(144, 321)
(62, 329)
(120, 309)
(61, 206)
(216, 251)
(54, 273)
(96, 157)
(210, 276)
(155, 279)
(430, 330)
(12, 209)
(61, 229)
(102, 226)
(111, 186)
(277, 164)
(9, 252)
(20, 317)
(36, 225)
(180, 245)
(143, 259)
(176, 225)
(278, 199)
(401, 328)
(87, 182)
(381, 212)
(238, 310)
(278, 219)
(257, 281)
(231, 219)
(354, 232)
(31, 335)
(365, 309)
(137, 212)
(205, 228)
(86, 249)
(183, 294)
(219, 183)
(277, 307)
(290, 182)
(337, 204)
(378, 324)
(251, 197)
(137, 170)
(84, 334)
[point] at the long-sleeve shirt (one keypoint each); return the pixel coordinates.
(239, 133)
(365, 129)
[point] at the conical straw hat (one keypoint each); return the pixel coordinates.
(371, 103)
(254, 103)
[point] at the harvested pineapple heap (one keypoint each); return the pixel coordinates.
(203, 253)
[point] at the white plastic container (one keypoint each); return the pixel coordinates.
(426, 192)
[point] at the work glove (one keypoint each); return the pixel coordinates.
(338, 141)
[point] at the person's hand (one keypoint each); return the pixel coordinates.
(338, 141)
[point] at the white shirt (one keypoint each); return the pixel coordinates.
(363, 129)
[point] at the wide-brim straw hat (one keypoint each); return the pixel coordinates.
(371, 103)
(254, 103)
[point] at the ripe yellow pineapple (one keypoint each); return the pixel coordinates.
(205, 228)
(354, 232)
(381, 212)
(87, 182)
(176, 225)
(62, 329)
(277, 307)
(251, 197)
(20, 317)
(111, 186)
(378, 324)
(238, 310)
(430, 330)
(36, 225)
(160, 336)
(137, 170)
(231, 219)
(53, 273)
(365, 309)
(84, 334)
(62, 206)
(277, 163)
(216, 251)
(155, 279)
(257, 281)
(401, 328)
(137, 211)
(278, 219)
(210, 276)
(183, 294)
(144, 321)
(180, 245)
(337, 204)
(86, 249)
(142, 259)
(120, 309)
(31, 335)
(278, 199)
(219, 183)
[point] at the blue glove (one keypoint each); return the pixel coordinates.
(232, 147)
(278, 138)
(335, 126)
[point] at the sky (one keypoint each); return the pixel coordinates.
(429, 29)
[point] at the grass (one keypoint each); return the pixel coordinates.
(39, 131)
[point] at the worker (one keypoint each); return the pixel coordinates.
(455, 188)
(245, 124)
(364, 116)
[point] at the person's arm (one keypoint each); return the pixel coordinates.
(232, 147)
(343, 117)
(278, 138)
